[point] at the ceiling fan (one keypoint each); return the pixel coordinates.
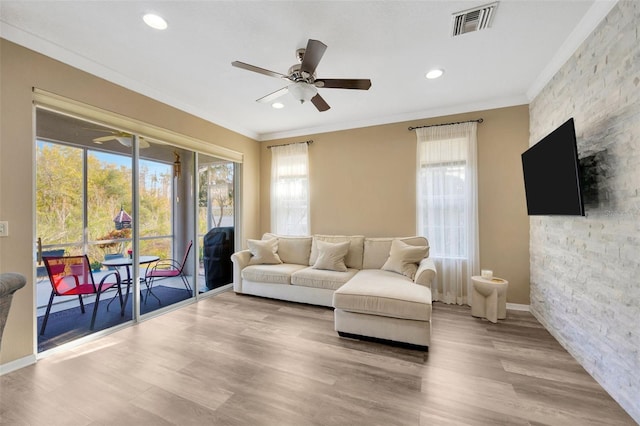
(304, 83)
(124, 138)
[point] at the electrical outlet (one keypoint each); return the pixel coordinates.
(4, 228)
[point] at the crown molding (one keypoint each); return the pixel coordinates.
(62, 54)
(399, 118)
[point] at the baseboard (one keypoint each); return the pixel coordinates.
(17, 364)
(518, 307)
(217, 290)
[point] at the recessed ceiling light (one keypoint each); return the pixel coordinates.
(434, 74)
(155, 21)
(277, 105)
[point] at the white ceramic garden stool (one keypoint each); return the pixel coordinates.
(489, 298)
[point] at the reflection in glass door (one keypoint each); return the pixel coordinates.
(216, 223)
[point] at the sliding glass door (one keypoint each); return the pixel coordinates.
(216, 221)
(82, 186)
(87, 202)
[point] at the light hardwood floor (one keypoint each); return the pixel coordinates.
(242, 360)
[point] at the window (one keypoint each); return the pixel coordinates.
(447, 206)
(290, 189)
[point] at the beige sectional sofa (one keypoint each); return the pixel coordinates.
(380, 288)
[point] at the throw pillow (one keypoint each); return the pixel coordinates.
(404, 258)
(331, 256)
(264, 252)
(353, 259)
(294, 249)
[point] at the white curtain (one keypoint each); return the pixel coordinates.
(447, 204)
(290, 189)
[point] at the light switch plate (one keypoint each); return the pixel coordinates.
(4, 228)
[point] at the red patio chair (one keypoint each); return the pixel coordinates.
(71, 276)
(167, 268)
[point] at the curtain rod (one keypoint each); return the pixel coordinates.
(309, 142)
(479, 120)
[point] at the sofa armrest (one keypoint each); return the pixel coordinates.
(426, 273)
(240, 261)
(11, 282)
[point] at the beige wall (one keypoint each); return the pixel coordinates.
(20, 71)
(363, 182)
(362, 179)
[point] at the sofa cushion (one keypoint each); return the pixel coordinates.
(353, 259)
(404, 258)
(376, 250)
(319, 278)
(331, 256)
(384, 293)
(275, 274)
(263, 252)
(292, 249)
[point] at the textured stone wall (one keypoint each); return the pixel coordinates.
(585, 271)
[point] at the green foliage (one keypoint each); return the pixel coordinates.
(117, 240)
(216, 195)
(60, 204)
(58, 199)
(157, 247)
(109, 189)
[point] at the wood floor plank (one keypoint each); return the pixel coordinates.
(242, 360)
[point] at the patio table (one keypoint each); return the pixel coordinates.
(127, 262)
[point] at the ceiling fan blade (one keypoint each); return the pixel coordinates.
(124, 138)
(343, 83)
(259, 70)
(274, 95)
(312, 55)
(320, 103)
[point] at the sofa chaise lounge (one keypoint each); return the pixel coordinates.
(380, 288)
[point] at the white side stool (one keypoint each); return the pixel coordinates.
(489, 298)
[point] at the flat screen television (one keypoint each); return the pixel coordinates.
(552, 178)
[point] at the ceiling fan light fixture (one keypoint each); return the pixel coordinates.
(304, 84)
(434, 73)
(302, 91)
(126, 141)
(155, 21)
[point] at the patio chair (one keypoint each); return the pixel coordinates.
(41, 270)
(167, 268)
(71, 276)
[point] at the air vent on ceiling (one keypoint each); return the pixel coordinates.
(475, 19)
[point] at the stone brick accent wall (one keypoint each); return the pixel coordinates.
(585, 271)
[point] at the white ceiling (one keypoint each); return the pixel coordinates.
(393, 43)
